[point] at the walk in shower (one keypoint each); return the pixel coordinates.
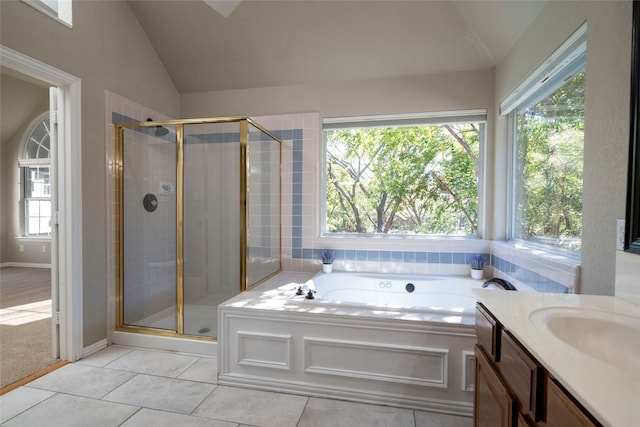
(198, 220)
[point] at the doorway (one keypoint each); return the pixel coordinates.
(66, 203)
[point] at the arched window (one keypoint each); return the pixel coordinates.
(36, 179)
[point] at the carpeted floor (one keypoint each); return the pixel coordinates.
(25, 322)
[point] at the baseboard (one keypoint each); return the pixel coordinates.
(93, 348)
(25, 264)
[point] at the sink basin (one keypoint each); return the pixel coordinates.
(609, 337)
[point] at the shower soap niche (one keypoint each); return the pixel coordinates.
(167, 188)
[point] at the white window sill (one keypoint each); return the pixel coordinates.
(33, 239)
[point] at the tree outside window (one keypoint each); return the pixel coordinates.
(548, 168)
(420, 179)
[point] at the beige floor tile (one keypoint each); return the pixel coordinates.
(104, 356)
(80, 380)
(253, 407)
(430, 419)
(204, 370)
(19, 400)
(167, 394)
(163, 364)
(63, 410)
(150, 417)
(336, 413)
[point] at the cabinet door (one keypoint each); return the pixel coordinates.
(523, 375)
(488, 332)
(494, 405)
(562, 411)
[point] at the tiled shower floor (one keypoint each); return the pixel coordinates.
(121, 386)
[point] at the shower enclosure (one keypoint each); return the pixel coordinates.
(198, 220)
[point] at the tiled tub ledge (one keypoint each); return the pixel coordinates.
(534, 270)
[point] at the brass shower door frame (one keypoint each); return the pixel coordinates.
(244, 123)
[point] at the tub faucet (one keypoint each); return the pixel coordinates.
(500, 283)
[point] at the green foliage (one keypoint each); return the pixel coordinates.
(550, 149)
(417, 179)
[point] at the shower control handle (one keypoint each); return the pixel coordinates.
(150, 202)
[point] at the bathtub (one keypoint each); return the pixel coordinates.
(432, 294)
(398, 340)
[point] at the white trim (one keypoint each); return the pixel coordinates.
(572, 48)
(409, 119)
(406, 116)
(69, 169)
(33, 239)
(25, 265)
(94, 348)
(63, 15)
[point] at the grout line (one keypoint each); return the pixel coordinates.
(33, 377)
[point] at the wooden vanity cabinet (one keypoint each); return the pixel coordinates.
(562, 410)
(524, 376)
(488, 332)
(494, 404)
(512, 389)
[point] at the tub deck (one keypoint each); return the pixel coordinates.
(270, 339)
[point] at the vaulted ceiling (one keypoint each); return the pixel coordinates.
(276, 43)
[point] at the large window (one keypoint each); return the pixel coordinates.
(548, 148)
(36, 181)
(409, 176)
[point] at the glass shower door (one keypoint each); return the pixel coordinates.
(212, 223)
(149, 227)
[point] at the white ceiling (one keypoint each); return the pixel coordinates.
(265, 43)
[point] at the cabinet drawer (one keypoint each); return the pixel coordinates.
(488, 332)
(524, 374)
(562, 411)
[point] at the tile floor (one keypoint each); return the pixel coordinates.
(121, 386)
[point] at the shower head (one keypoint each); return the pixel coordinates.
(160, 131)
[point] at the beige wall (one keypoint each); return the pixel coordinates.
(20, 104)
(108, 50)
(606, 119)
(413, 94)
(437, 92)
(607, 104)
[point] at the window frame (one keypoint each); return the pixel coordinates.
(25, 164)
(479, 116)
(63, 13)
(26, 199)
(569, 57)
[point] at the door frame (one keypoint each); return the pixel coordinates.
(67, 242)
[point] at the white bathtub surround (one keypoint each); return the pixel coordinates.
(272, 339)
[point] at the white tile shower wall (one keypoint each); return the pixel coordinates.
(302, 239)
(529, 269)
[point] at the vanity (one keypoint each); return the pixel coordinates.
(556, 360)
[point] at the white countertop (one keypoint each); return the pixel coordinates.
(610, 392)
